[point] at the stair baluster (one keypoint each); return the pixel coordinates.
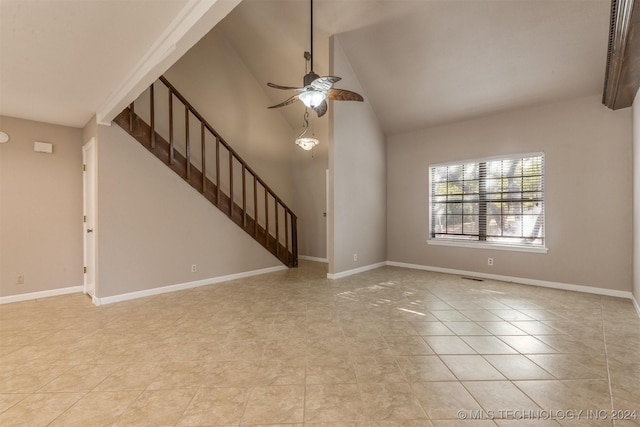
(179, 156)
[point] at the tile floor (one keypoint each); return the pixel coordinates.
(383, 348)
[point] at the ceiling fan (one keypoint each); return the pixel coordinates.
(316, 90)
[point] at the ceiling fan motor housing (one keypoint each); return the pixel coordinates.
(309, 78)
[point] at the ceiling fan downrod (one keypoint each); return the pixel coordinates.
(310, 76)
(311, 34)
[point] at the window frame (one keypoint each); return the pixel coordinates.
(483, 244)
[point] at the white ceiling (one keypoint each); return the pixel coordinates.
(61, 59)
(421, 62)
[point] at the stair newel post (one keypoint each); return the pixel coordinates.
(275, 207)
(152, 117)
(255, 207)
(131, 115)
(187, 145)
(244, 195)
(218, 171)
(294, 240)
(266, 217)
(230, 183)
(286, 234)
(171, 153)
(204, 158)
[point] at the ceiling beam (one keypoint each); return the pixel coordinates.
(622, 78)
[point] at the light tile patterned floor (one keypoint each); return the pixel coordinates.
(383, 348)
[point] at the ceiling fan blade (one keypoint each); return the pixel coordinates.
(321, 109)
(275, 86)
(291, 100)
(324, 83)
(344, 95)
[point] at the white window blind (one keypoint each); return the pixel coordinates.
(496, 200)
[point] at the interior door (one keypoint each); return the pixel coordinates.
(89, 176)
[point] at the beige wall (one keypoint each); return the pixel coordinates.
(357, 169)
(588, 233)
(215, 80)
(40, 208)
(152, 226)
(636, 197)
(310, 193)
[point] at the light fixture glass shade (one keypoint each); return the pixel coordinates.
(307, 143)
(312, 98)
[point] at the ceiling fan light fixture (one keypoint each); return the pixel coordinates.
(312, 98)
(307, 143)
(315, 89)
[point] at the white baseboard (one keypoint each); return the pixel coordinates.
(204, 282)
(342, 274)
(183, 286)
(520, 280)
(41, 294)
(636, 304)
(312, 258)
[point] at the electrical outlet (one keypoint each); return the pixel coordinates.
(194, 268)
(355, 257)
(20, 280)
(489, 261)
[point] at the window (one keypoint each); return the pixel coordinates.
(496, 201)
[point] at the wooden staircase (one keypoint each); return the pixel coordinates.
(212, 167)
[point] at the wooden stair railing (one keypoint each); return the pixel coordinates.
(214, 169)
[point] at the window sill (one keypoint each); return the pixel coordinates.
(492, 246)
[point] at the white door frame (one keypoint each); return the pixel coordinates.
(327, 215)
(89, 222)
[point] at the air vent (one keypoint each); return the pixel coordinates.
(475, 279)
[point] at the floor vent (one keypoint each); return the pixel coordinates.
(475, 279)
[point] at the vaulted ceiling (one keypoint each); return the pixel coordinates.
(421, 62)
(427, 62)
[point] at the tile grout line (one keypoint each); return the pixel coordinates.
(115, 420)
(355, 375)
(606, 358)
(186, 408)
(306, 367)
(70, 406)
